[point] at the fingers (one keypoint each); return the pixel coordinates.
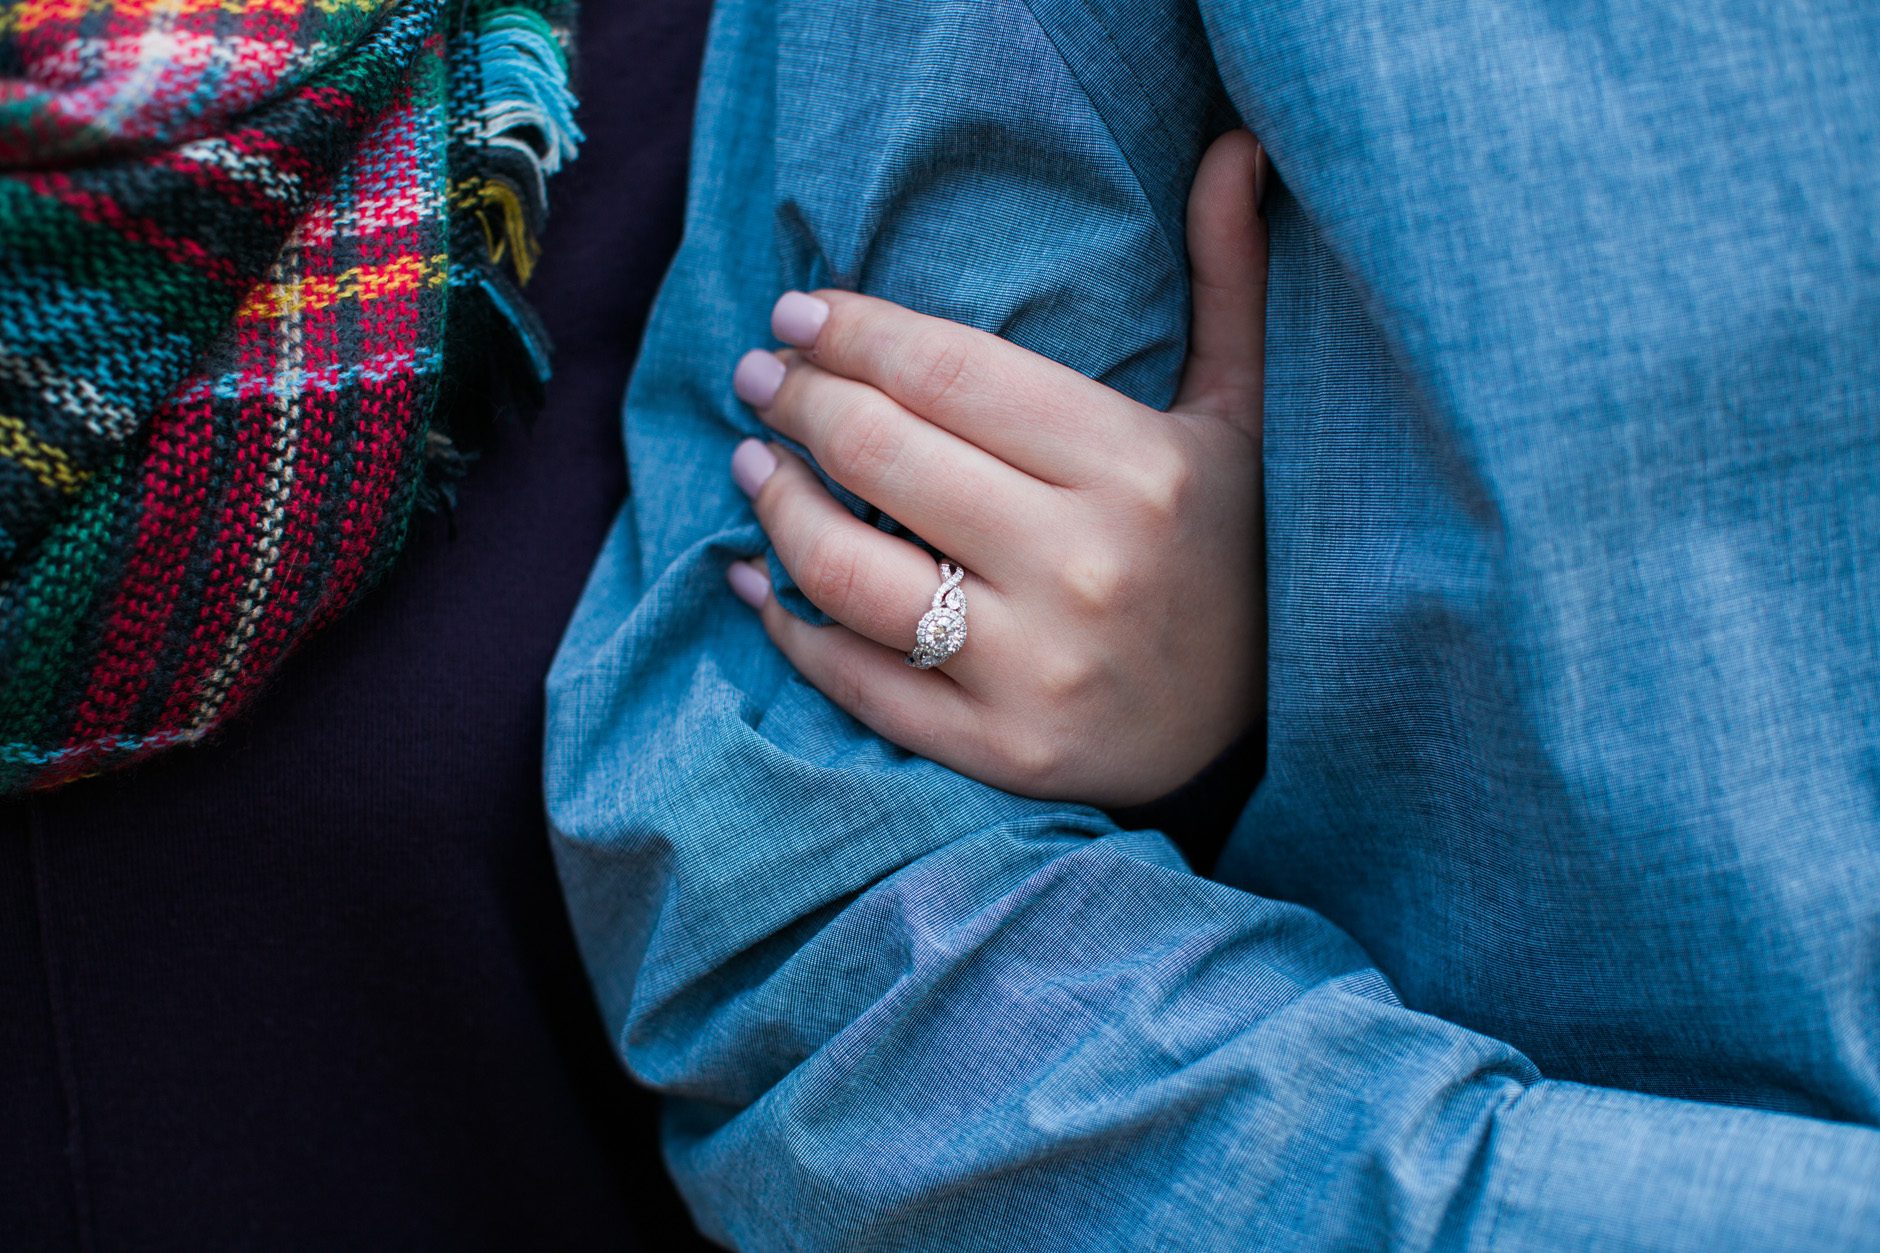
(1028, 411)
(954, 495)
(921, 710)
(1227, 264)
(871, 582)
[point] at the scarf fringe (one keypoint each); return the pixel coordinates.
(527, 89)
(517, 129)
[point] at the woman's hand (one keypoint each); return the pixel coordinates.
(1115, 580)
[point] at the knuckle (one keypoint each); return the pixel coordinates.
(1033, 759)
(831, 571)
(1061, 680)
(1163, 482)
(849, 689)
(862, 446)
(932, 372)
(1093, 582)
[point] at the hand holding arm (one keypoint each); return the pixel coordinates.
(1117, 607)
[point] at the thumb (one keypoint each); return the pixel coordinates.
(1227, 266)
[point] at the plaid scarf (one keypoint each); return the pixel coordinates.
(245, 247)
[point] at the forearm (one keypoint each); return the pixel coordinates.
(1028, 1037)
(1109, 1053)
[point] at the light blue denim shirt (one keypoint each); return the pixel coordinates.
(1556, 920)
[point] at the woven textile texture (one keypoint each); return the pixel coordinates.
(1554, 923)
(241, 243)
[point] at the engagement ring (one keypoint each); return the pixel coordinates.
(942, 629)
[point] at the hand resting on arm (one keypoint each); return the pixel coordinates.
(1116, 601)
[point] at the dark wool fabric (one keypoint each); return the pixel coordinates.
(311, 986)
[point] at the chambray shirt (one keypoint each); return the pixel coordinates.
(1555, 922)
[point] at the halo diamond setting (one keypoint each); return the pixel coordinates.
(941, 631)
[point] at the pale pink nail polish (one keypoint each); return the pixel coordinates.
(757, 378)
(751, 464)
(749, 584)
(798, 319)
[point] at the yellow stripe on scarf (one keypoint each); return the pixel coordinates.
(49, 465)
(366, 282)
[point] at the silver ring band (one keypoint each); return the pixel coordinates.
(942, 629)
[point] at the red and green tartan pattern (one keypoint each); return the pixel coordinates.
(221, 338)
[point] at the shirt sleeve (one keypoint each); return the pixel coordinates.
(891, 1008)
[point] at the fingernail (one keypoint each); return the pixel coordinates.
(798, 319)
(751, 464)
(748, 583)
(757, 378)
(1261, 168)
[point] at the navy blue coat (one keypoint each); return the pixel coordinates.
(312, 987)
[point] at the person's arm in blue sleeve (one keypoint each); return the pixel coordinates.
(891, 1008)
